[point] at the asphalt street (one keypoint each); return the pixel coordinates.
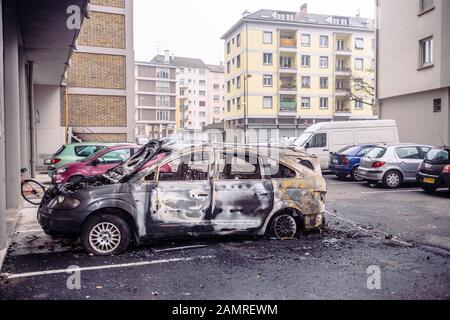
(402, 233)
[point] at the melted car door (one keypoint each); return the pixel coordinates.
(242, 199)
(183, 194)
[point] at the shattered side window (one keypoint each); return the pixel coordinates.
(239, 167)
(191, 167)
(277, 170)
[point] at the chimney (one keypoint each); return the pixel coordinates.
(304, 10)
(166, 56)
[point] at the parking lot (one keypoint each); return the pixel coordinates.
(403, 233)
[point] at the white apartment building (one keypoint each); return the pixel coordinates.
(216, 93)
(414, 68)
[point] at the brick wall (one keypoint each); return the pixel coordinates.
(103, 30)
(96, 111)
(97, 71)
(110, 3)
(102, 137)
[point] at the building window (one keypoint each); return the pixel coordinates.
(287, 16)
(286, 62)
(202, 83)
(202, 93)
(437, 107)
(306, 61)
(228, 86)
(359, 64)
(323, 103)
(324, 62)
(324, 82)
(228, 106)
(306, 40)
(340, 21)
(267, 102)
(238, 61)
(306, 103)
(238, 82)
(426, 52)
(359, 83)
(267, 58)
(238, 40)
(216, 98)
(202, 104)
(162, 87)
(359, 104)
(162, 101)
(306, 82)
(216, 86)
(324, 41)
(228, 47)
(267, 80)
(238, 102)
(162, 73)
(181, 70)
(267, 37)
(359, 43)
(228, 67)
(162, 115)
(426, 5)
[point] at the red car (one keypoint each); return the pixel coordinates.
(99, 163)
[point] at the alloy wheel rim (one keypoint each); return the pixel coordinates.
(105, 237)
(285, 226)
(393, 180)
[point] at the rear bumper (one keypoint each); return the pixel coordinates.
(337, 169)
(441, 181)
(370, 174)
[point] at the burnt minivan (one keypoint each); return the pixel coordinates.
(208, 190)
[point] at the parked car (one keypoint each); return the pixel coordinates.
(209, 190)
(392, 164)
(96, 164)
(323, 138)
(346, 161)
(434, 171)
(73, 152)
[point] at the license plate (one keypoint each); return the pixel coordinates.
(429, 180)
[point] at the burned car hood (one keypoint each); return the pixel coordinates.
(125, 171)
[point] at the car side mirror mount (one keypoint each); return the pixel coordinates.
(307, 145)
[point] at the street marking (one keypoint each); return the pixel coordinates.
(369, 232)
(350, 182)
(181, 248)
(392, 191)
(113, 266)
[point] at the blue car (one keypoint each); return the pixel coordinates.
(346, 161)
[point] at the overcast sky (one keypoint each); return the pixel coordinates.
(192, 28)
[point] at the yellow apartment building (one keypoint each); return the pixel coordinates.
(295, 69)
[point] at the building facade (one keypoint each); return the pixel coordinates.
(101, 77)
(192, 94)
(288, 70)
(156, 94)
(413, 71)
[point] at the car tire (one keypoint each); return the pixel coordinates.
(284, 226)
(75, 179)
(392, 179)
(429, 189)
(355, 176)
(105, 235)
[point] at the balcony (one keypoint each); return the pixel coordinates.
(288, 43)
(288, 107)
(343, 71)
(342, 111)
(289, 87)
(343, 51)
(342, 91)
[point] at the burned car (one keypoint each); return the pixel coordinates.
(204, 190)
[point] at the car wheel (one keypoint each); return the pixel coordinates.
(392, 179)
(355, 175)
(429, 189)
(105, 235)
(75, 179)
(284, 226)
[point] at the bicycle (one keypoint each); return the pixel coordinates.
(32, 191)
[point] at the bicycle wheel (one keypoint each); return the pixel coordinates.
(32, 191)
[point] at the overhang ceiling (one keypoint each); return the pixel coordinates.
(46, 37)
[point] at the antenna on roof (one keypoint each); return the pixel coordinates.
(358, 13)
(443, 143)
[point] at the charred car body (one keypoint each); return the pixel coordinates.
(209, 190)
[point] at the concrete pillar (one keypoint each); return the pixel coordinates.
(24, 114)
(12, 107)
(2, 146)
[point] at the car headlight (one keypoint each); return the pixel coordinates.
(63, 203)
(61, 170)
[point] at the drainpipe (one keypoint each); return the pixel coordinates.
(32, 112)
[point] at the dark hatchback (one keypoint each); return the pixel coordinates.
(346, 161)
(434, 171)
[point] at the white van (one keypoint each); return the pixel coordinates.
(323, 138)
